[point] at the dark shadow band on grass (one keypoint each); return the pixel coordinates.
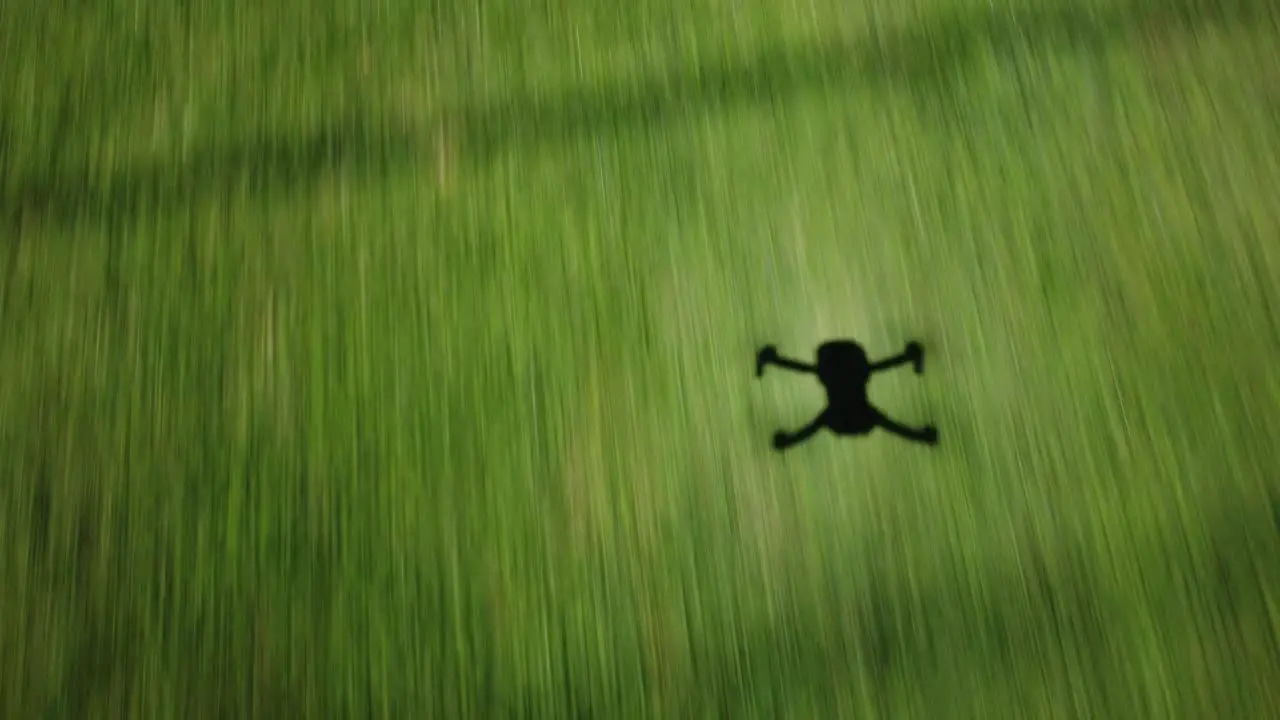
(924, 57)
(358, 147)
(886, 637)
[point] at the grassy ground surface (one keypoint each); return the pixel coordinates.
(376, 359)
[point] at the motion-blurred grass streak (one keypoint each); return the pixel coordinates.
(395, 359)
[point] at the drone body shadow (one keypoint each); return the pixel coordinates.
(844, 370)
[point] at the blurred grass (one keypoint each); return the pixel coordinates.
(394, 359)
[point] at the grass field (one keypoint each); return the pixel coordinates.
(383, 359)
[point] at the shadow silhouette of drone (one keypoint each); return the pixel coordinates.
(845, 371)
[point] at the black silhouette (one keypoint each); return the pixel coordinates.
(844, 371)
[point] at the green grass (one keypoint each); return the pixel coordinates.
(388, 360)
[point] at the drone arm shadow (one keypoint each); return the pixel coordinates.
(783, 440)
(793, 365)
(892, 362)
(885, 423)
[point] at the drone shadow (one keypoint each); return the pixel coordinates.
(845, 371)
